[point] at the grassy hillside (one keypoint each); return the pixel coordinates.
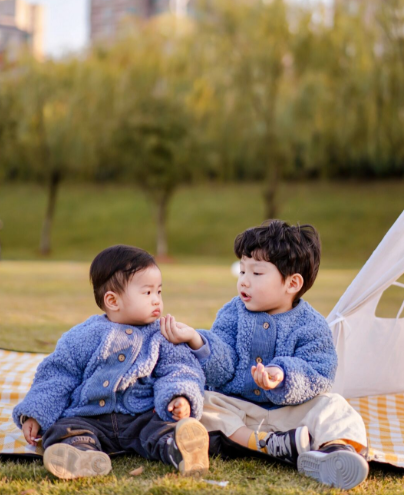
(203, 220)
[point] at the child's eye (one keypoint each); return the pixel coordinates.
(241, 272)
(255, 273)
(159, 291)
(148, 293)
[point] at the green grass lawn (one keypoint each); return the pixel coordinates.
(41, 300)
(203, 220)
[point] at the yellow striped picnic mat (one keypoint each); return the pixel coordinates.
(17, 370)
(383, 415)
(384, 419)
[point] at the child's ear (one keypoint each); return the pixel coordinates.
(111, 301)
(295, 283)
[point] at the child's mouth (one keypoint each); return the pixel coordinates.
(156, 312)
(245, 296)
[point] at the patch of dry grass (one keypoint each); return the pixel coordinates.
(41, 300)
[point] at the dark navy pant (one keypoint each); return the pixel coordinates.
(145, 434)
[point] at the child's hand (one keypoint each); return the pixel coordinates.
(30, 429)
(267, 377)
(180, 408)
(178, 333)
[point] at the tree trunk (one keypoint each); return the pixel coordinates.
(45, 247)
(272, 178)
(162, 208)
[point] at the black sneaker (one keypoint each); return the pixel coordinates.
(287, 445)
(188, 448)
(336, 465)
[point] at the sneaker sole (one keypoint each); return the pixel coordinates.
(341, 469)
(67, 462)
(192, 440)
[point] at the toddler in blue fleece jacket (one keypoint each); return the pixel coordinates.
(269, 361)
(115, 384)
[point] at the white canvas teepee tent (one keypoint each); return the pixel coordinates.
(371, 349)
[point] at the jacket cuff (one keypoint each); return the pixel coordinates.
(203, 352)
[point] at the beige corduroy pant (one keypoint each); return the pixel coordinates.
(328, 417)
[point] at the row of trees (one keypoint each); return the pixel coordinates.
(243, 91)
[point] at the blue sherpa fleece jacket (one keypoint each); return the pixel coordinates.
(100, 367)
(299, 341)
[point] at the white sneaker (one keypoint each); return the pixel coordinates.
(68, 462)
(336, 465)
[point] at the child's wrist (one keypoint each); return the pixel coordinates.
(196, 341)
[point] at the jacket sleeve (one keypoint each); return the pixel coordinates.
(55, 379)
(310, 371)
(221, 363)
(178, 373)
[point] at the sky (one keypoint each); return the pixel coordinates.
(66, 25)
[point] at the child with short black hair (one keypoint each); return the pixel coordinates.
(114, 384)
(269, 361)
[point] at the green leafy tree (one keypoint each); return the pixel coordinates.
(246, 44)
(51, 135)
(153, 140)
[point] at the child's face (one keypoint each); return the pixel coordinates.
(141, 302)
(261, 287)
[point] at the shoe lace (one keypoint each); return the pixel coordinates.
(278, 445)
(256, 434)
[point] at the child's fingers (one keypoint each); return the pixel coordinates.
(179, 404)
(27, 434)
(34, 430)
(266, 382)
(253, 371)
(182, 412)
(258, 378)
(163, 327)
(263, 376)
(168, 323)
(173, 327)
(169, 329)
(174, 406)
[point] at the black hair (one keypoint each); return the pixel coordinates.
(113, 268)
(291, 248)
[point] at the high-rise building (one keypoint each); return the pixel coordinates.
(106, 15)
(21, 25)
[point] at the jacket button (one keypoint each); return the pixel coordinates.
(121, 357)
(266, 325)
(106, 383)
(129, 331)
(102, 403)
(258, 360)
(257, 392)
